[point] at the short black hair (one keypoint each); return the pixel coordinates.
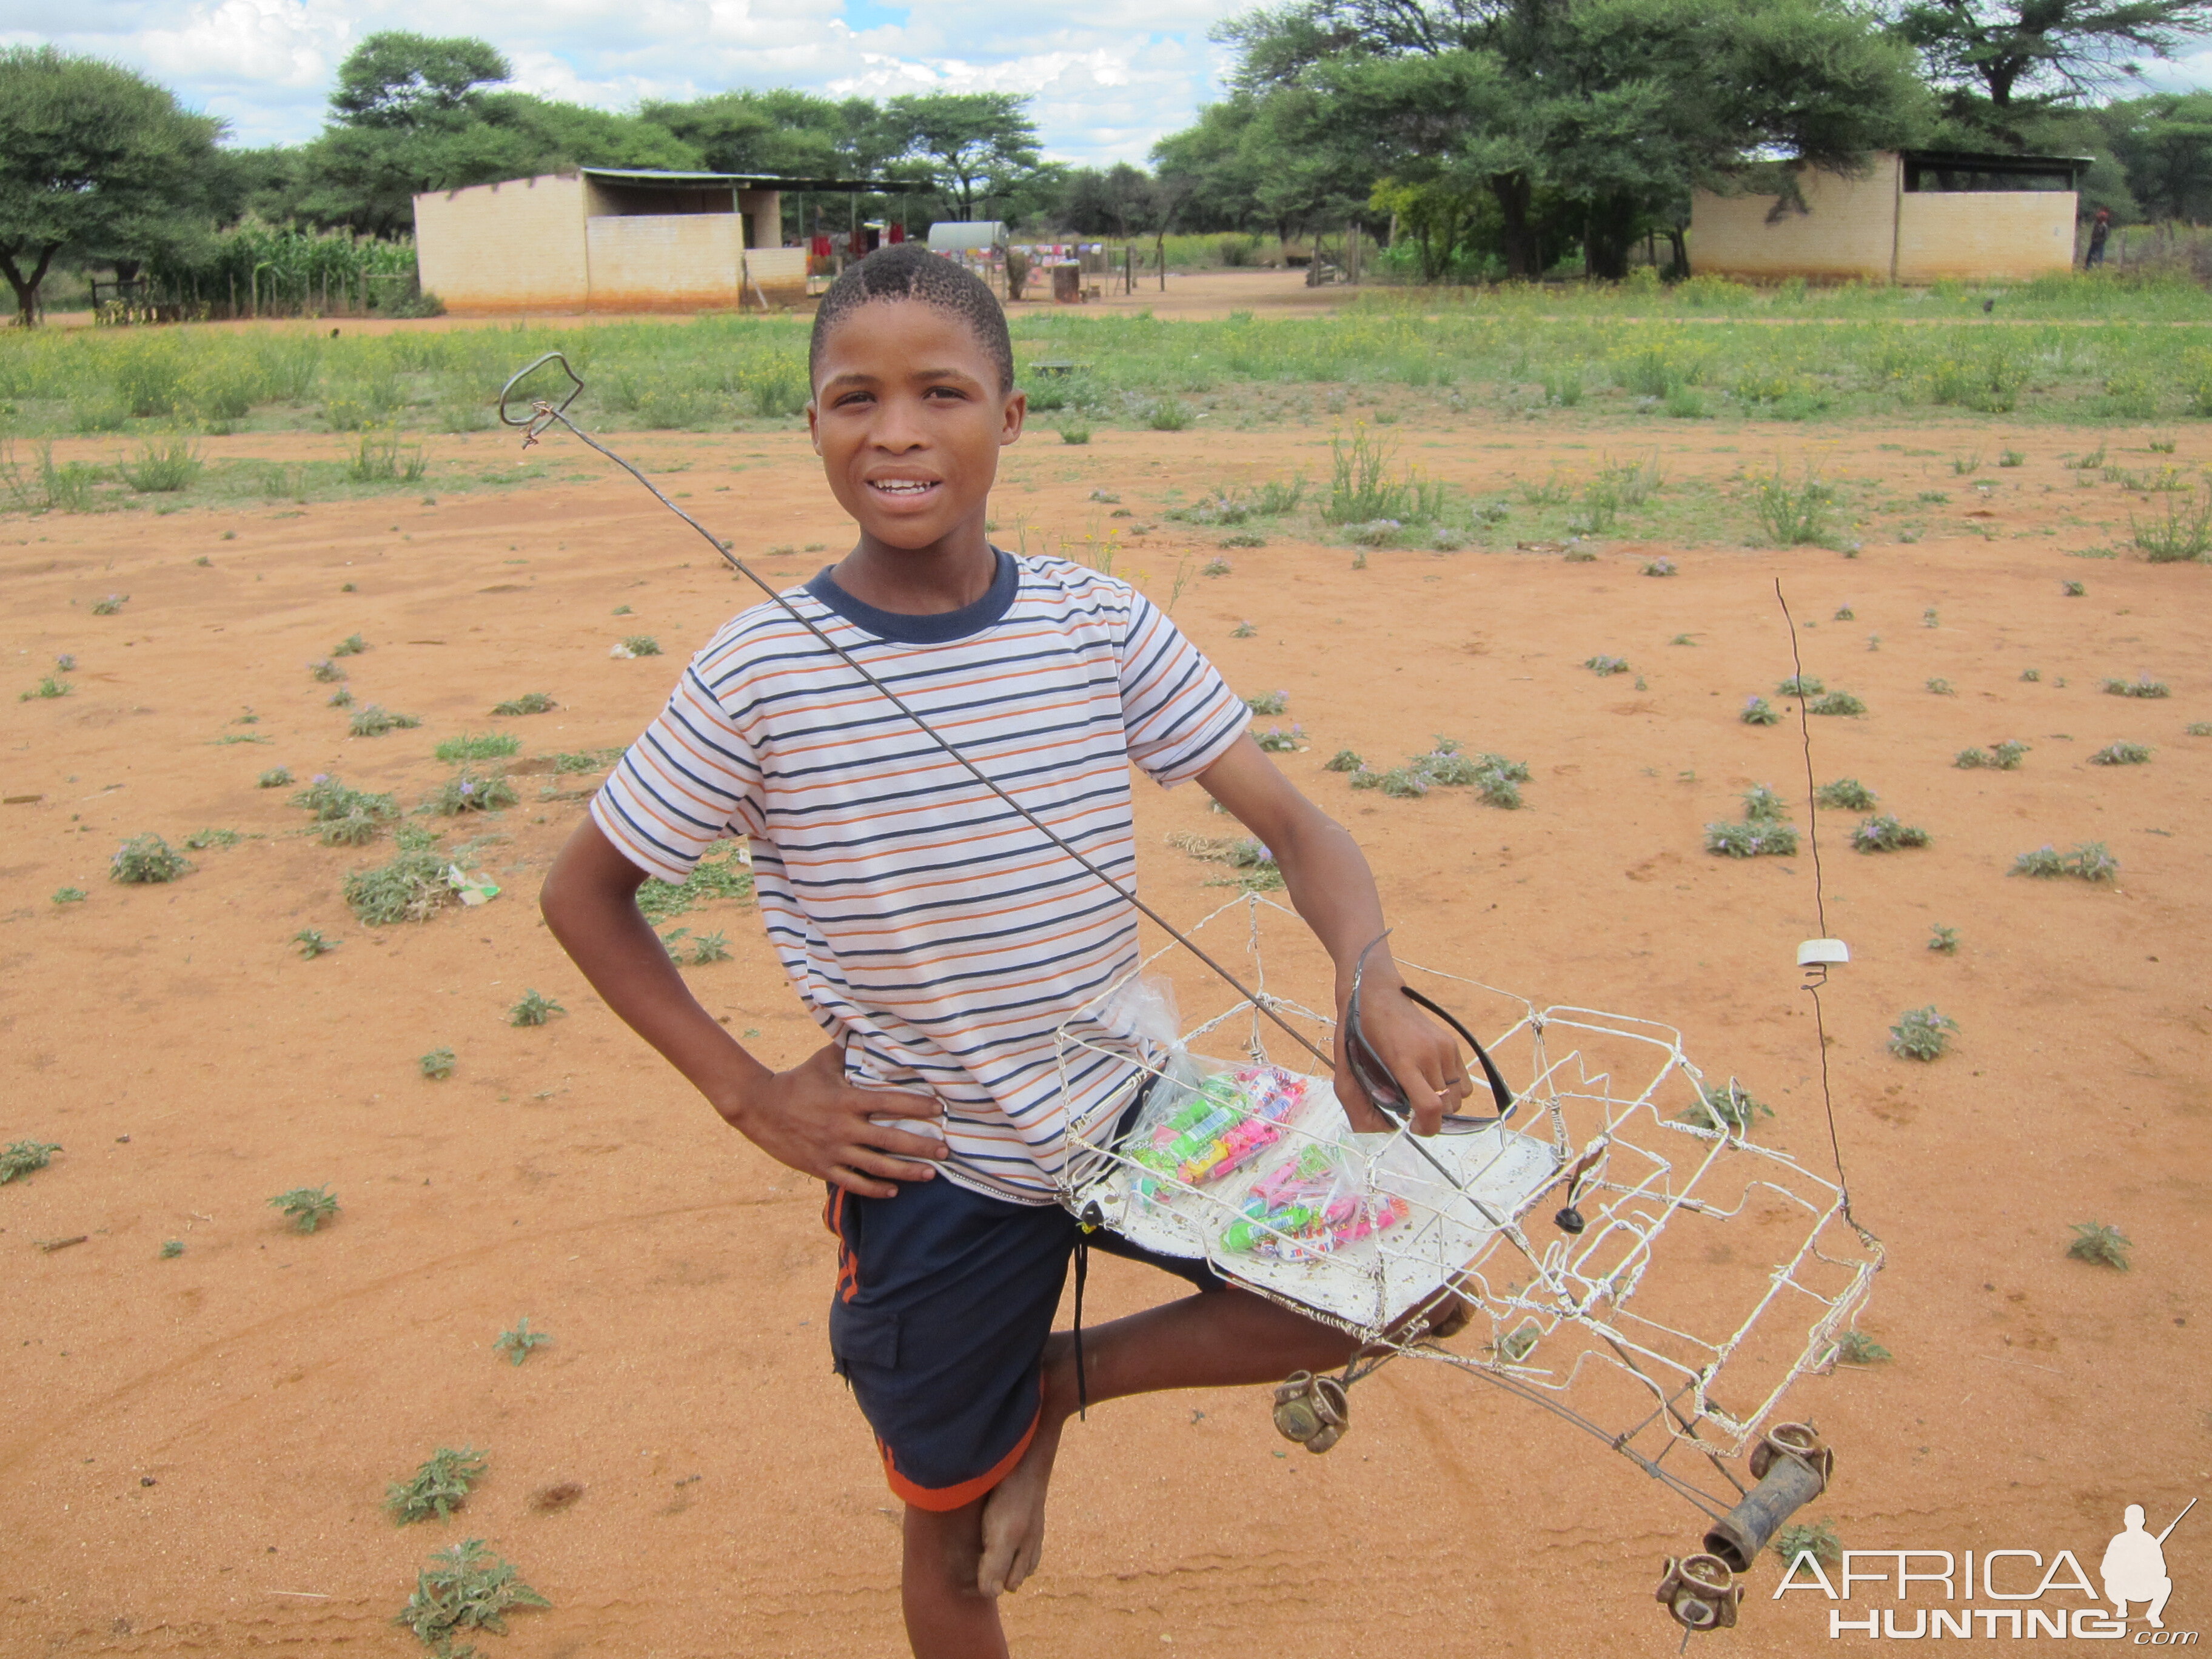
(909, 271)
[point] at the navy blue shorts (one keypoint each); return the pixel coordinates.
(944, 1298)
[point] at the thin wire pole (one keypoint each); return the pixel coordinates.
(544, 413)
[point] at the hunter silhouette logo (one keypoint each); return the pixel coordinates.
(2134, 1567)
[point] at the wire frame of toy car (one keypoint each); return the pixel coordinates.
(1636, 1259)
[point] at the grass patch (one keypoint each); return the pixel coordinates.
(2141, 686)
(438, 1488)
(712, 880)
(479, 746)
(1836, 702)
(345, 816)
(1792, 513)
(469, 791)
(48, 686)
(1845, 794)
(1886, 834)
(530, 703)
(2120, 754)
(2088, 860)
(2183, 535)
(411, 887)
(163, 470)
(375, 721)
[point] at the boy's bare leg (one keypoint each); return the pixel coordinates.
(947, 1617)
(1220, 1338)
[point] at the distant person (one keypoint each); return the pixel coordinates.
(941, 939)
(2134, 1569)
(2099, 228)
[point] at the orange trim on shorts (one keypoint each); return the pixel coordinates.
(939, 1499)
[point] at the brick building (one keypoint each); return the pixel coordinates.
(1914, 217)
(616, 239)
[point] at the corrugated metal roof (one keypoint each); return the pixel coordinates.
(661, 178)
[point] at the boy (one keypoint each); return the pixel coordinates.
(941, 939)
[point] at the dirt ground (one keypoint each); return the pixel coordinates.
(194, 1451)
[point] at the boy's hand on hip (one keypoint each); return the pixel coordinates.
(812, 1119)
(1419, 1052)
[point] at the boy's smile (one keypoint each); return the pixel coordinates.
(908, 420)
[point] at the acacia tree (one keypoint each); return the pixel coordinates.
(1616, 108)
(94, 162)
(2045, 50)
(977, 144)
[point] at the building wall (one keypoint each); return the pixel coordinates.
(780, 273)
(512, 246)
(1848, 233)
(1977, 234)
(764, 211)
(665, 262)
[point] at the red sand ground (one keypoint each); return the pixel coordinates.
(193, 1452)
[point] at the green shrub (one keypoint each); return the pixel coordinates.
(465, 1588)
(1753, 840)
(438, 1488)
(1605, 667)
(1269, 702)
(469, 791)
(641, 645)
(1757, 711)
(1345, 760)
(1799, 685)
(22, 1156)
(352, 646)
(1836, 702)
(375, 721)
(276, 777)
(147, 859)
(1847, 794)
(2095, 1241)
(2141, 686)
(437, 1065)
(1886, 834)
(1792, 514)
(1944, 941)
(2120, 754)
(163, 471)
(533, 1010)
(1730, 1109)
(530, 703)
(1921, 1034)
(307, 1207)
(517, 1343)
(412, 887)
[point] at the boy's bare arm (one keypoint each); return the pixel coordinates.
(808, 1117)
(1333, 889)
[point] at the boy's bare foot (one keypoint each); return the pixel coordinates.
(1013, 1515)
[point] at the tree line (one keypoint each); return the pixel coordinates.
(1495, 137)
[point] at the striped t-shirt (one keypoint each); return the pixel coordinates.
(931, 929)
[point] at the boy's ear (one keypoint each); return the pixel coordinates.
(814, 426)
(1015, 413)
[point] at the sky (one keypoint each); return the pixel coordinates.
(1109, 76)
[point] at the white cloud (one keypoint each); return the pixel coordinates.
(1108, 79)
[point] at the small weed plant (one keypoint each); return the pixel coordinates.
(533, 1010)
(517, 1343)
(2141, 686)
(1604, 667)
(146, 859)
(1799, 685)
(479, 746)
(163, 470)
(345, 816)
(306, 1207)
(1846, 794)
(1269, 702)
(69, 896)
(1792, 513)
(111, 605)
(2088, 860)
(22, 1156)
(1801, 1539)
(1344, 760)
(1836, 702)
(437, 1065)
(1857, 1348)
(1751, 840)
(1276, 741)
(1730, 1108)
(276, 777)
(1763, 805)
(438, 1488)
(1885, 833)
(1942, 687)
(1944, 941)
(312, 944)
(2183, 535)
(374, 720)
(466, 1588)
(467, 791)
(530, 703)
(412, 887)
(47, 686)
(352, 646)
(1921, 1034)
(2120, 754)
(1757, 711)
(2100, 1245)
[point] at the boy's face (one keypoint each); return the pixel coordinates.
(908, 420)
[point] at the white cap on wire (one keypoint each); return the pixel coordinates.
(1822, 952)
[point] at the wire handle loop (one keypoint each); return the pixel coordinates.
(543, 412)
